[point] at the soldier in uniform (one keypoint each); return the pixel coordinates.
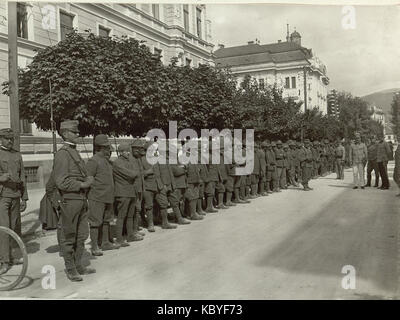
(213, 180)
(292, 163)
(203, 172)
(279, 156)
(263, 170)
(72, 181)
(13, 195)
(125, 194)
(137, 149)
(222, 177)
(255, 175)
(167, 194)
(317, 160)
(286, 164)
(372, 151)
(272, 174)
(340, 157)
(101, 196)
(179, 175)
(306, 159)
(152, 186)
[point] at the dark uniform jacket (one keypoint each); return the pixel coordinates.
(138, 166)
(203, 171)
(270, 159)
(279, 155)
(257, 164)
(165, 173)
(152, 181)
(213, 174)
(372, 152)
(306, 157)
(124, 178)
(11, 162)
(69, 171)
(102, 189)
(286, 156)
(179, 173)
(193, 173)
(263, 162)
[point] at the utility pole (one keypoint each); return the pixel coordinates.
(13, 72)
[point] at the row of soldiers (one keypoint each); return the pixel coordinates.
(87, 196)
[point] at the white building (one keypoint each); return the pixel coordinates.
(291, 66)
(171, 30)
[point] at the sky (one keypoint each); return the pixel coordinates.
(361, 60)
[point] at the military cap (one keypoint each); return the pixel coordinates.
(285, 146)
(101, 140)
(326, 141)
(293, 143)
(124, 147)
(71, 125)
(264, 144)
(307, 141)
(6, 133)
(279, 142)
(138, 143)
(273, 144)
(315, 142)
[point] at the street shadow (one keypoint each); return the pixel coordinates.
(340, 235)
(349, 186)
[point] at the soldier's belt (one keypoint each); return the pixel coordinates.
(13, 185)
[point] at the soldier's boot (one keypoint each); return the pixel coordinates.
(106, 244)
(94, 238)
(85, 270)
(261, 187)
(221, 201)
(268, 186)
(237, 196)
(165, 224)
(60, 240)
(229, 202)
(179, 218)
(150, 222)
(253, 192)
(73, 275)
(119, 231)
(210, 208)
(199, 208)
(193, 213)
(136, 222)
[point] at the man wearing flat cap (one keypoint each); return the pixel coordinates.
(101, 196)
(124, 191)
(72, 181)
(13, 195)
(306, 159)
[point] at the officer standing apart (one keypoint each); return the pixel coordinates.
(306, 159)
(13, 195)
(72, 181)
(358, 159)
(101, 196)
(340, 156)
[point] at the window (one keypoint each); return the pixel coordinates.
(188, 62)
(66, 24)
(158, 52)
(293, 82)
(22, 21)
(287, 82)
(198, 21)
(104, 32)
(156, 11)
(31, 174)
(261, 83)
(186, 17)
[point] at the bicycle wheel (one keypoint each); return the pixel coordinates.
(21, 245)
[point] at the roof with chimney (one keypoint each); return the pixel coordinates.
(254, 53)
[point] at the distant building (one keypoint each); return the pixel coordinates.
(333, 104)
(294, 68)
(377, 114)
(389, 135)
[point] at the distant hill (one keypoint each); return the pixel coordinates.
(381, 99)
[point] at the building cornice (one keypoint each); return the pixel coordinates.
(137, 24)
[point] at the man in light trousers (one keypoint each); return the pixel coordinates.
(358, 157)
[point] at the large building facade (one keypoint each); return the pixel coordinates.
(171, 30)
(294, 68)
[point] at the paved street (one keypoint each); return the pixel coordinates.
(290, 245)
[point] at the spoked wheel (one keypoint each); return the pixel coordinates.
(10, 280)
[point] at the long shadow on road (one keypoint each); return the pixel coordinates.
(358, 228)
